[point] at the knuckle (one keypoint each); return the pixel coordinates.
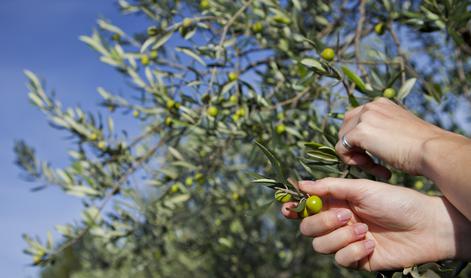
(304, 227)
(340, 260)
(368, 116)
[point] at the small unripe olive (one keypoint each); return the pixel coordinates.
(314, 204)
(187, 22)
(240, 112)
(175, 188)
(168, 121)
(280, 129)
(135, 113)
(233, 76)
(101, 145)
(153, 54)
(304, 213)
(233, 99)
(380, 28)
(189, 181)
(144, 60)
(204, 4)
(389, 93)
(213, 111)
(170, 103)
(282, 196)
(419, 185)
(257, 27)
(328, 54)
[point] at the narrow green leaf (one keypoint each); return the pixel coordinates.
(406, 88)
(312, 63)
(192, 54)
(301, 206)
(360, 85)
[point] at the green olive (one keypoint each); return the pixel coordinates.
(328, 54)
(233, 76)
(187, 22)
(169, 121)
(280, 129)
(170, 104)
(314, 204)
(257, 27)
(304, 213)
(282, 196)
(204, 4)
(153, 54)
(389, 93)
(135, 113)
(189, 181)
(144, 60)
(152, 31)
(380, 28)
(213, 111)
(233, 99)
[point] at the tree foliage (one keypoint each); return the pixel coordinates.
(207, 79)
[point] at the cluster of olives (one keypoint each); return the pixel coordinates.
(312, 205)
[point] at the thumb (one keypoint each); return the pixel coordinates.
(342, 189)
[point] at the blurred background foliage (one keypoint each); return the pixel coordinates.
(206, 79)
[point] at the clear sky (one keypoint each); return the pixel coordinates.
(43, 36)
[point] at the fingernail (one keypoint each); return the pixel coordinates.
(344, 215)
(360, 229)
(369, 244)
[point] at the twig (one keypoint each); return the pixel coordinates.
(358, 34)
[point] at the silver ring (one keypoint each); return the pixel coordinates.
(346, 144)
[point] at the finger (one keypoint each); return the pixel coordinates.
(364, 161)
(340, 238)
(350, 120)
(324, 222)
(375, 169)
(343, 189)
(350, 255)
(287, 212)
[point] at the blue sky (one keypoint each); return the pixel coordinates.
(43, 36)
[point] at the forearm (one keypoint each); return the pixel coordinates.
(452, 231)
(447, 161)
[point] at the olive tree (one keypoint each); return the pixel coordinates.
(222, 89)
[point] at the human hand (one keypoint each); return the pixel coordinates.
(388, 132)
(376, 226)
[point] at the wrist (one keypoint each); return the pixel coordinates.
(434, 149)
(451, 231)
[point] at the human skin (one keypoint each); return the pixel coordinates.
(375, 226)
(408, 143)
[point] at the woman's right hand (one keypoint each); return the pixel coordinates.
(387, 131)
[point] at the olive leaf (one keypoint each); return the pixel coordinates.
(360, 85)
(405, 89)
(300, 207)
(280, 172)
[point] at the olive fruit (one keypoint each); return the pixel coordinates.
(314, 204)
(187, 22)
(419, 185)
(280, 129)
(328, 54)
(233, 76)
(135, 113)
(233, 99)
(257, 27)
(380, 28)
(153, 54)
(175, 188)
(169, 121)
(282, 196)
(240, 112)
(389, 93)
(189, 181)
(101, 145)
(304, 213)
(204, 4)
(144, 60)
(213, 111)
(170, 104)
